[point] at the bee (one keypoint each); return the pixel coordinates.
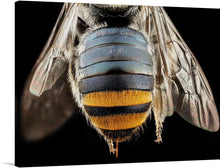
(119, 65)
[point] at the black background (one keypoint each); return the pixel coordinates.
(76, 142)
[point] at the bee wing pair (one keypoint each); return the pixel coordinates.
(180, 83)
(180, 80)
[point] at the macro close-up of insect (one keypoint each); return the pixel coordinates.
(121, 67)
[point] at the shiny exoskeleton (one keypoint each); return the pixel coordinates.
(116, 81)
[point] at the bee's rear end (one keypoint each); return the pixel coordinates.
(116, 81)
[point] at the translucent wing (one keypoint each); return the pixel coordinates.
(180, 79)
(47, 101)
(45, 114)
(54, 57)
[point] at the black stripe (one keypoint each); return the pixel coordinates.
(117, 82)
(105, 111)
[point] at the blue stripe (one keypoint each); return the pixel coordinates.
(114, 39)
(115, 31)
(119, 66)
(114, 53)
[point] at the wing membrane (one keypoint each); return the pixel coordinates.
(47, 101)
(43, 115)
(191, 94)
(53, 60)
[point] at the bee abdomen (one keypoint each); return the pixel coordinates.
(116, 80)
